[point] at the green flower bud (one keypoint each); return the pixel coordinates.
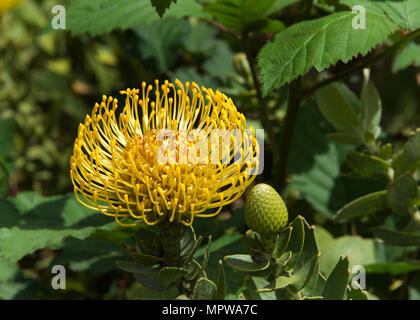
(265, 211)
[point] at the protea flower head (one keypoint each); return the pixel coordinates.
(123, 167)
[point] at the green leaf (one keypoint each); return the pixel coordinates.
(244, 263)
(336, 284)
(282, 242)
(279, 283)
(371, 107)
(314, 164)
(313, 44)
(137, 291)
(338, 108)
(146, 259)
(308, 264)
(205, 289)
(360, 251)
(296, 242)
(357, 294)
(44, 222)
(406, 12)
(220, 62)
(397, 238)
(221, 283)
(238, 15)
(160, 40)
(392, 268)
(345, 138)
(169, 275)
(409, 55)
(221, 247)
(409, 157)
(101, 16)
(303, 275)
(207, 254)
(254, 285)
(161, 5)
(367, 166)
(135, 267)
(400, 193)
(368, 204)
(97, 256)
(149, 280)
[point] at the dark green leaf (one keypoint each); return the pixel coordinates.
(368, 204)
(410, 55)
(205, 289)
(397, 238)
(336, 284)
(339, 109)
(169, 275)
(400, 193)
(409, 157)
(238, 15)
(244, 262)
(282, 242)
(371, 106)
(367, 166)
(221, 283)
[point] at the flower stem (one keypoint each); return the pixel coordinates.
(170, 237)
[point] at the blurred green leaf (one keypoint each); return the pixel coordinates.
(238, 15)
(392, 268)
(409, 55)
(169, 275)
(371, 107)
(345, 138)
(398, 238)
(368, 204)
(101, 16)
(360, 251)
(160, 41)
(334, 103)
(314, 163)
(409, 157)
(97, 256)
(367, 166)
(400, 193)
(220, 63)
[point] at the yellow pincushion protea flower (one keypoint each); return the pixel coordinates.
(6, 5)
(116, 163)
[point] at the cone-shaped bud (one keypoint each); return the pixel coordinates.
(265, 211)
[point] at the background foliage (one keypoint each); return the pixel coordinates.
(339, 106)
